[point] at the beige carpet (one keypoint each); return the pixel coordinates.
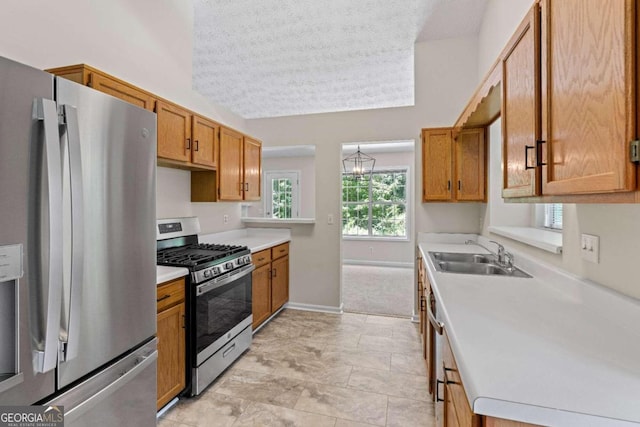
(377, 290)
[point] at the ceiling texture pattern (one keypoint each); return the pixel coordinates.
(274, 58)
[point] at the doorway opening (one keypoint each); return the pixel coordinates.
(377, 238)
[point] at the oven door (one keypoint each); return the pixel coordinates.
(223, 310)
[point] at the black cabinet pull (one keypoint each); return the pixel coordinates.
(459, 185)
(438, 382)
(163, 298)
(539, 161)
(526, 157)
(188, 143)
(197, 144)
(449, 185)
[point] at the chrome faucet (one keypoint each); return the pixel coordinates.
(505, 259)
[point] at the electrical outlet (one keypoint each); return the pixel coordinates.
(590, 248)
(330, 219)
(225, 219)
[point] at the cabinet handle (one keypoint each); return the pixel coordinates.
(241, 186)
(539, 161)
(446, 381)
(246, 186)
(163, 298)
(197, 144)
(275, 272)
(438, 382)
(422, 301)
(459, 185)
(526, 157)
(188, 143)
(449, 185)
(183, 327)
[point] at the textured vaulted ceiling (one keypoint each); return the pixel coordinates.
(271, 58)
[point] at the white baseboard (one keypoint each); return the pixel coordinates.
(313, 307)
(378, 263)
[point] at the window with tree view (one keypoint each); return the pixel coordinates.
(375, 206)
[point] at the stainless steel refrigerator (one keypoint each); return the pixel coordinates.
(77, 250)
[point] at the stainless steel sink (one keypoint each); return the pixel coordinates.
(457, 257)
(484, 265)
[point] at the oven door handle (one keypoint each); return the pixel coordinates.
(234, 275)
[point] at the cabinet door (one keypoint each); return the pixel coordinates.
(450, 417)
(279, 282)
(171, 354)
(521, 109)
(205, 142)
(252, 168)
(588, 95)
(120, 90)
(230, 173)
(470, 165)
(261, 294)
(174, 132)
(436, 165)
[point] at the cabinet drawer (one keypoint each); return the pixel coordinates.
(170, 293)
(261, 258)
(453, 381)
(280, 250)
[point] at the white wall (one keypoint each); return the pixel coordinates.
(500, 20)
(446, 75)
(617, 225)
(384, 251)
(145, 42)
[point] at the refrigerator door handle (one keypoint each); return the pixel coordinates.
(70, 332)
(45, 354)
(77, 411)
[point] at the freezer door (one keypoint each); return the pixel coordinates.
(122, 394)
(24, 221)
(114, 293)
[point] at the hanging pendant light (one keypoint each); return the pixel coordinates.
(358, 164)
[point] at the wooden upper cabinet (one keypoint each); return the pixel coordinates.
(588, 95)
(436, 165)
(121, 90)
(442, 156)
(470, 165)
(174, 132)
(230, 171)
(521, 109)
(103, 82)
(206, 134)
(252, 168)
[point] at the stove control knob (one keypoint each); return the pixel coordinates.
(207, 274)
(216, 270)
(228, 265)
(247, 259)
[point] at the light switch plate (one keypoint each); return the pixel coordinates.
(590, 248)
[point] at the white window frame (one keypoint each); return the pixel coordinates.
(408, 207)
(269, 176)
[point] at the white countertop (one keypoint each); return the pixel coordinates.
(551, 350)
(164, 274)
(256, 239)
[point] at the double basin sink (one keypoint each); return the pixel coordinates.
(481, 264)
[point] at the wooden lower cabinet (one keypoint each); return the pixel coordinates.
(270, 282)
(171, 341)
(261, 294)
(279, 282)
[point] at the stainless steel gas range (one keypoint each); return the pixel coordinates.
(218, 311)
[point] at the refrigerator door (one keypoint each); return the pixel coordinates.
(122, 394)
(25, 181)
(117, 287)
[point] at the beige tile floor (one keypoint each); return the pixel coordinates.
(315, 369)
